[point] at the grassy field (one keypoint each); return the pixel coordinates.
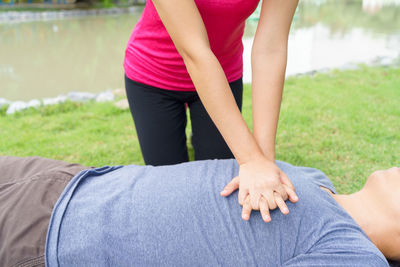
(346, 123)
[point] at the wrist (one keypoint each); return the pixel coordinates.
(254, 155)
(268, 152)
(259, 153)
(266, 145)
(258, 158)
(269, 155)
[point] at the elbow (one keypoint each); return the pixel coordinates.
(268, 54)
(269, 50)
(270, 46)
(195, 54)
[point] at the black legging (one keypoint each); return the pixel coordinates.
(160, 121)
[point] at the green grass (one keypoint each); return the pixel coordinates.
(346, 123)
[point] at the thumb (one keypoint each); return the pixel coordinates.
(232, 186)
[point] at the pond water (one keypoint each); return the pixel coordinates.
(46, 58)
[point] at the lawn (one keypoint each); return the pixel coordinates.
(346, 123)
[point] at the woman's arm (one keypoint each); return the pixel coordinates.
(184, 24)
(268, 58)
(186, 28)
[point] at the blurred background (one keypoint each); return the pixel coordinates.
(74, 45)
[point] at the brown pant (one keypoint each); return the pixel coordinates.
(29, 188)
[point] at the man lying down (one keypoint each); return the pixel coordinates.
(175, 216)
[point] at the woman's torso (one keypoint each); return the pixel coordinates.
(151, 57)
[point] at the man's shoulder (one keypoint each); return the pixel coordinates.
(350, 258)
(344, 240)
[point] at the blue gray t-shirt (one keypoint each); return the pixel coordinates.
(174, 216)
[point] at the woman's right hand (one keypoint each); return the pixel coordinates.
(262, 186)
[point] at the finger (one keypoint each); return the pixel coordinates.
(269, 197)
(243, 193)
(285, 180)
(281, 191)
(264, 210)
(281, 203)
(291, 193)
(232, 186)
(255, 200)
(246, 211)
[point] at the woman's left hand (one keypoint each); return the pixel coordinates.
(262, 186)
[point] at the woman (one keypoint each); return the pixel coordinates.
(190, 52)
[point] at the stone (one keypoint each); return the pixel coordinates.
(119, 92)
(80, 96)
(350, 66)
(16, 106)
(53, 101)
(51, 15)
(122, 104)
(34, 103)
(105, 97)
(386, 61)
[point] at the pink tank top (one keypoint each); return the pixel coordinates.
(151, 57)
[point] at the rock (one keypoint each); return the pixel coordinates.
(386, 61)
(34, 103)
(16, 106)
(4, 102)
(119, 92)
(105, 97)
(51, 15)
(122, 104)
(53, 101)
(350, 66)
(80, 96)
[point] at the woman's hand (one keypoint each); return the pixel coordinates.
(262, 186)
(257, 177)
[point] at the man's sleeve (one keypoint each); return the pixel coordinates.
(339, 259)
